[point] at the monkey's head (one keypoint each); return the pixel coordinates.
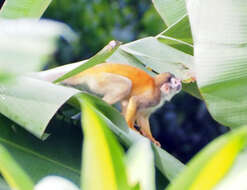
(169, 85)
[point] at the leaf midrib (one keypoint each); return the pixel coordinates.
(38, 155)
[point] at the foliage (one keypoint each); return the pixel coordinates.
(18, 37)
(221, 78)
(30, 103)
(147, 23)
(99, 21)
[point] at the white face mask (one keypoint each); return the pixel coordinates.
(169, 89)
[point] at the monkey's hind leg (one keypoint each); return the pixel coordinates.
(117, 88)
(113, 87)
(143, 123)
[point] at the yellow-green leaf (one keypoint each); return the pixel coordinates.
(12, 172)
(103, 164)
(166, 163)
(212, 164)
(100, 57)
(24, 8)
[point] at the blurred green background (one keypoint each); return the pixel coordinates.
(183, 126)
(99, 21)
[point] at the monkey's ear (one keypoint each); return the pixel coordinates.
(165, 88)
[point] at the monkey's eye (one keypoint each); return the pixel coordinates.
(171, 76)
(176, 83)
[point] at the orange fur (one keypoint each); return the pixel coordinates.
(141, 81)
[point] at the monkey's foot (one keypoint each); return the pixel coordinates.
(151, 138)
(148, 135)
(155, 142)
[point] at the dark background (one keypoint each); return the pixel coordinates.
(1, 3)
(183, 126)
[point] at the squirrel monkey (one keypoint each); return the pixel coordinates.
(138, 92)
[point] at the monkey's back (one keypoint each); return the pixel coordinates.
(141, 81)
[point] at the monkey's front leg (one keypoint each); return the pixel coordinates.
(130, 112)
(143, 123)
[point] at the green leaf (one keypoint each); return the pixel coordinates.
(12, 172)
(29, 42)
(170, 10)
(212, 164)
(24, 8)
(161, 57)
(178, 36)
(32, 103)
(221, 58)
(177, 44)
(192, 89)
(100, 57)
(180, 30)
(123, 57)
(103, 163)
(140, 165)
(136, 187)
(167, 164)
(59, 155)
